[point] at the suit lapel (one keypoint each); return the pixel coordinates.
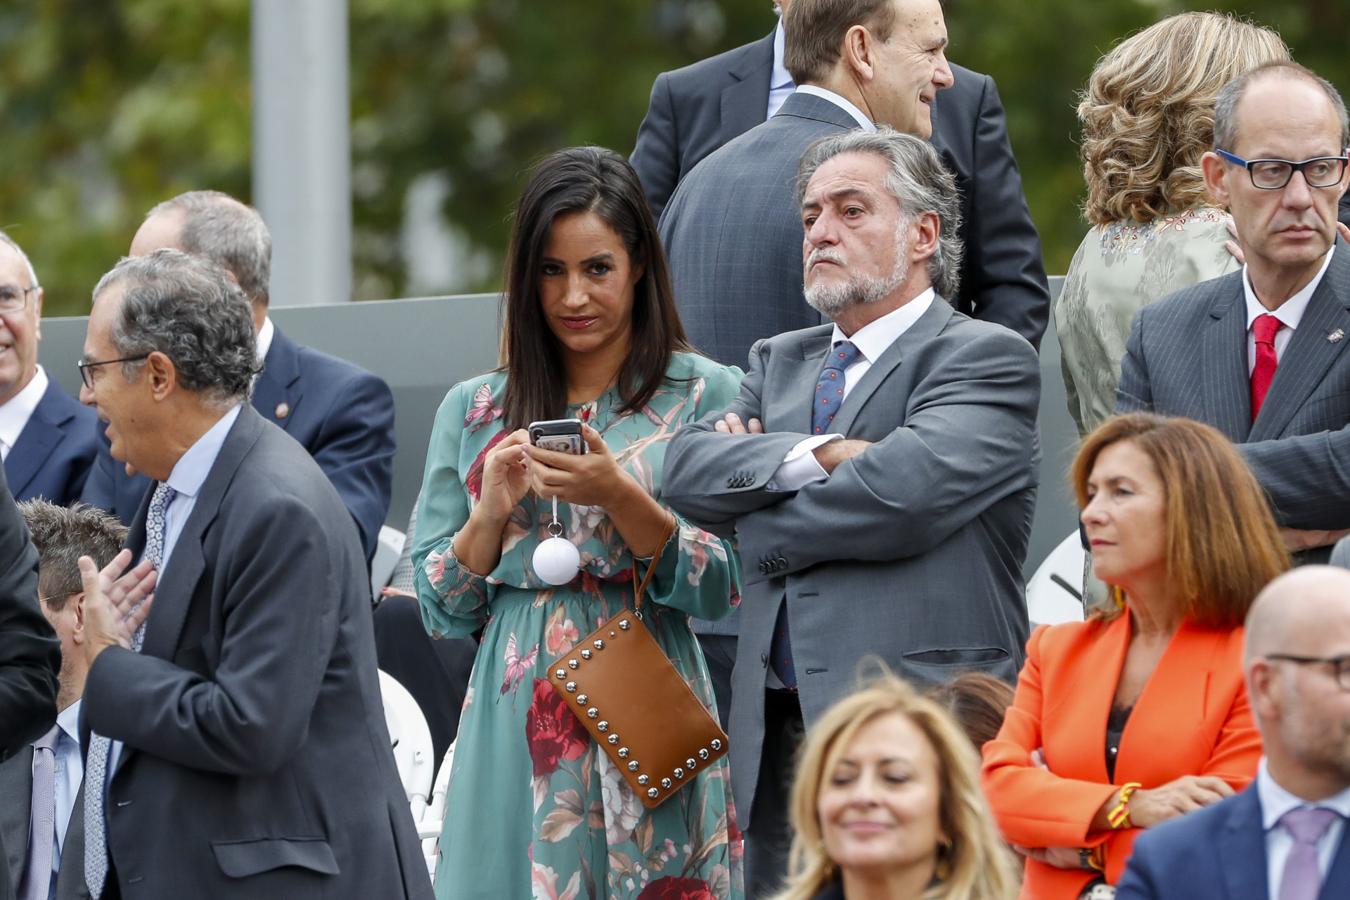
(16, 799)
(1309, 353)
(70, 877)
(33, 448)
(276, 392)
(1226, 384)
(799, 383)
(746, 100)
(174, 592)
(929, 325)
(1241, 845)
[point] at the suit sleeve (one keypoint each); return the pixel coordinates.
(656, 154)
(279, 623)
(967, 442)
(1134, 393)
(1003, 270)
(1305, 477)
(100, 488)
(1035, 807)
(355, 449)
(1140, 881)
(712, 479)
(30, 655)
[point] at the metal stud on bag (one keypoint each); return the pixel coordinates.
(716, 743)
(665, 783)
(592, 713)
(602, 726)
(633, 765)
(703, 753)
(653, 793)
(560, 674)
(690, 764)
(581, 699)
(679, 773)
(570, 687)
(572, 664)
(586, 654)
(599, 645)
(623, 753)
(623, 624)
(643, 779)
(613, 738)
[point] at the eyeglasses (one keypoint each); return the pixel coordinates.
(87, 376)
(14, 298)
(1274, 174)
(1340, 664)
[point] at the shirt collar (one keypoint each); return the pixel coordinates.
(780, 77)
(69, 720)
(1276, 801)
(874, 338)
(858, 115)
(264, 340)
(1291, 311)
(16, 411)
(195, 464)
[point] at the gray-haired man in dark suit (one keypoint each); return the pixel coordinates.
(1261, 353)
(879, 472)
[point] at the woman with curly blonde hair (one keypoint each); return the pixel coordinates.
(1148, 117)
(887, 804)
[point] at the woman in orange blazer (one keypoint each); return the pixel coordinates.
(1138, 714)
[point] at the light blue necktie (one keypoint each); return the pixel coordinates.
(37, 876)
(96, 765)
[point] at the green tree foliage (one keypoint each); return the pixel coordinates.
(110, 107)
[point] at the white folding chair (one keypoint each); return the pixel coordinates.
(433, 818)
(1055, 592)
(387, 552)
(411, 741)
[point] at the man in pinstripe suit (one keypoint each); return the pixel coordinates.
(1261, 354)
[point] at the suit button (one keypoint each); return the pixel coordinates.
(764, 660)
(782, 562)
(731, 482)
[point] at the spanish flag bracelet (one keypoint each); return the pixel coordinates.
(1119, 816)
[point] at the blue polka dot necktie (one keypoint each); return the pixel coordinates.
(828, 398)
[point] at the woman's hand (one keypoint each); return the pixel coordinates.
(586, 479)
(1176, 798)
(506, 478)
(1059, 857)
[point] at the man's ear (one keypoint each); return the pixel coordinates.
(859, 52)
(1261, 686)
(37, 308)
(162, 375)
(924, 233)
(1215, 170)
(77, 635)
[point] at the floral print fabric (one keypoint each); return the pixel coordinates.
(534, 809)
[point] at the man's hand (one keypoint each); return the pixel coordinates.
(732, 424)
(1296, 539)
(832, 454)
(116, 601)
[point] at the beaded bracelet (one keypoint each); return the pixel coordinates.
(1119, 816)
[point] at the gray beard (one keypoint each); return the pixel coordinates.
(832, 299)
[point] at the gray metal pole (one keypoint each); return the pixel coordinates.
(301, 150)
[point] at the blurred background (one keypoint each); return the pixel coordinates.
(110, 106)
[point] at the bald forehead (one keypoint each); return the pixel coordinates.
(15, 268)
(160, 230)
(1305, 611)
(1288, 98)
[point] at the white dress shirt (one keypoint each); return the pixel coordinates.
(781, 84)
(16, 412)
(858, 115)
(800, 468)
(1275, 802)
(186, 479)
(1290, 313)
(264, 341)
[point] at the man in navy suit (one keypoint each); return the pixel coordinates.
(48, 441)
(342, 414)
(1285, 836)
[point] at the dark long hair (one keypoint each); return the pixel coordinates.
(583, 179)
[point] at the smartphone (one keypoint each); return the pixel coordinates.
(562, 435)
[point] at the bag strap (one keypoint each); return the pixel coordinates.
(640, 588)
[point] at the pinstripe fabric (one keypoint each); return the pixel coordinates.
(1187, 356)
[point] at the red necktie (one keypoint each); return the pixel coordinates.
(1263, 329)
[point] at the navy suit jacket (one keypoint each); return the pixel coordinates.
(698, 109)
(342, 414)
(52, 457)
(1218, 853)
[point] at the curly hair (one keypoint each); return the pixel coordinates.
(1148, 112)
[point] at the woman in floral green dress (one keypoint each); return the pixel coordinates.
(534, 809)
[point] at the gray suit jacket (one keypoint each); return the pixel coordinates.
(1187, 356)
(256, 759)
(16, 796)
(737, 271)
(911, 551)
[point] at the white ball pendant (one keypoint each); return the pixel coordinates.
(557, 561)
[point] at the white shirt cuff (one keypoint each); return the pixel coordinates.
(800, 468)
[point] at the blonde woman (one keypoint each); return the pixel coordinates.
(1148, 116)
(887, 804)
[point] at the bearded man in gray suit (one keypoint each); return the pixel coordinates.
(879, 472)
(1260, 353)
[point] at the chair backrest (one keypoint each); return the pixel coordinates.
(430, 825)
(1055, 592)
(411, 741)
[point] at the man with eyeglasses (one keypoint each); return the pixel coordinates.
(1261, 353)
(48, 441)
(40, 786)
(1285, 837)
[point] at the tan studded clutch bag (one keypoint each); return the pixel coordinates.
(636, 705)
